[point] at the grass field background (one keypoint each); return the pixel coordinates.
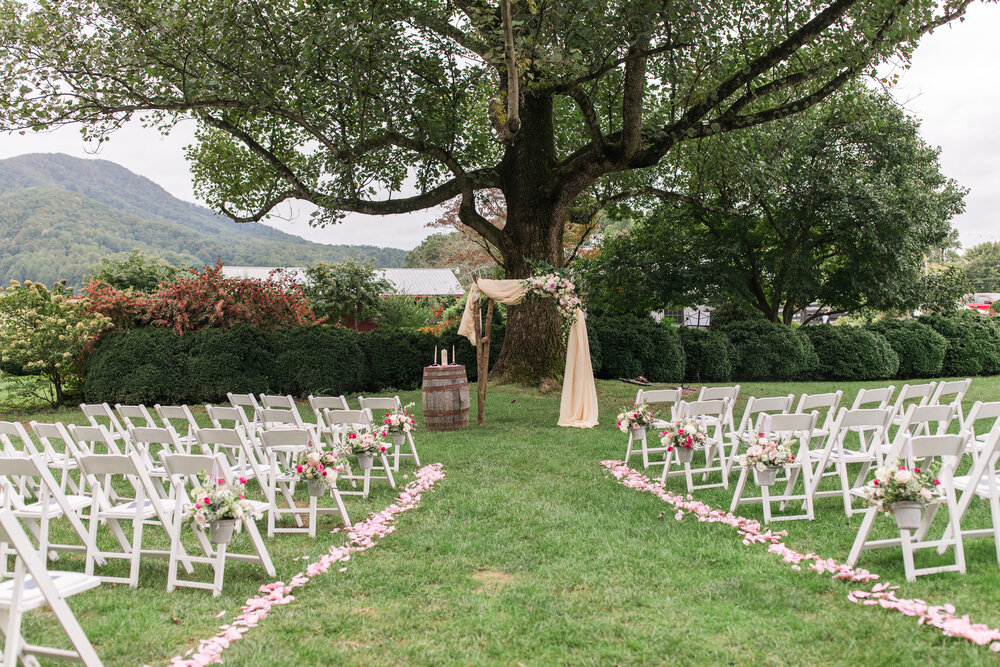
(529, 553)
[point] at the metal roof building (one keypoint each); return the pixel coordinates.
(410, 282)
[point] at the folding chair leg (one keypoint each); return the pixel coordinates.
(765, 499)
(14, 641)
(738, 492)
(312, 516)
(844, 487)
(220, 569)
(133, 572)
(863, 532)
(413, 449)
(908, 568)
(340, 506)
(388, 471)
(628, 449)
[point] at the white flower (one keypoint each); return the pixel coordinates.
(926, 495)
(903, 476)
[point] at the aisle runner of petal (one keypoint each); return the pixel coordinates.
(361, 537)
(940, 616)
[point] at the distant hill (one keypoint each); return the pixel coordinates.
(59, 215)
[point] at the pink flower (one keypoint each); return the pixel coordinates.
(243, 480)
(937, 482)
(207, 501)
(221, 481)
(324, 473)
(298, 468)
(351, 436)
(875, 482)
(197, 506)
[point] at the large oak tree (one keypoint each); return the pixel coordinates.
(339, 102)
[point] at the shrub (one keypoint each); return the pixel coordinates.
(920, 349)
(851, 353)
(138, 366)
(708, 355)
(769, 351)
(973, 343)
(47, 332)
(324, 360)
(395, 359)
(239, 360)
(631, 346)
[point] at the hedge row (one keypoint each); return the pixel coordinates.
(155, 365)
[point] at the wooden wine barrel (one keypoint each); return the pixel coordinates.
(445, 398)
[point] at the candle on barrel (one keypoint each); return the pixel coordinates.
(444, 357)
(453, 354)
(435, 356)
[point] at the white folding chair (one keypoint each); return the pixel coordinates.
(248, 402)
(909, 394)
(146, 508)
(90, 439)
(15, 440)
(32, 587)
(39, 508)
(921, 420)
(278, 418)
(293, 441)
(230, 417)
(826, 404)
(321, 403)
(64, 461)
(785, 428)
(871, 426)
(343, 421)
(712, 416)
(729, 394)
(983, 481)
(135, 416)
(386, 404)
(981, 420)
(149, 444)
(952, 393)
(102, 411)
(184, 468)
(756, 412)
(949, 449)
(181, 421)
(669, 399)
(243, 457)
(277, 402)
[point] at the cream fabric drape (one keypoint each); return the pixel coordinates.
(578, 407)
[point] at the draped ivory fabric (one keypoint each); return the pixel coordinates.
(579, 394)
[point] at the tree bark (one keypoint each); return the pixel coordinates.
(533, 347)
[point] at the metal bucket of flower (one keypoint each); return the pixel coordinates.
(218, 506)
(682, 437)
(319, 467)
(635, 420)
(365, 445)
(765, 456)
(904, 492)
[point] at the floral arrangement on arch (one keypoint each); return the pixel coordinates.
(554, 286)
(399, 422)
(366, 442)
(894, 484)
(683, 434)
(638, 416)
(765, 453)
(215, 502)
(319, 463)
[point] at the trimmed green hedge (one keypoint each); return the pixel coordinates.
(155, 365)
(769, 351)
(851, 353)
(920, 349)
(631, 346)
(708, 355)
(973, 343)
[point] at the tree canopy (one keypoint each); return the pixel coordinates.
(837, 206)
(982, 266)
(560, 105)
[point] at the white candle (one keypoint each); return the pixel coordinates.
(444, 357)
(434, 363)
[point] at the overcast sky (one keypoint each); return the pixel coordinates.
(953, 87)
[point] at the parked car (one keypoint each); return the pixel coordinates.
(981, 301)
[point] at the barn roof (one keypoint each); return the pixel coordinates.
(411, 282)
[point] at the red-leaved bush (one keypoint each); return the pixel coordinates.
(204, 300)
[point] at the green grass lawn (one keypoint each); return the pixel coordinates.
(528, 553)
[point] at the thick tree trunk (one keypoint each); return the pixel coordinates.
(533, 347)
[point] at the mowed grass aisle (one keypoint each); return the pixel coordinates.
(528, 553)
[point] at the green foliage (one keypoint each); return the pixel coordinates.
(136, 271)
(942, 289)
(851, 353)
(59, 216)
(348, 290)
(920, 348)
(982, 265)
(139, 366)
(47, 332)
(396, 359)
(769, 350)
(837, 206)
(239, 360)
(708, 355)
(973, 342)
(402, 312)
(632, 346)
(323, 360)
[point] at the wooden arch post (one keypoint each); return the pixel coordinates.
(482, 355)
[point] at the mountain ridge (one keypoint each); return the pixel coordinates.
(59, 215)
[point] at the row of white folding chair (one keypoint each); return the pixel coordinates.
(31, 587)
(711, 414)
